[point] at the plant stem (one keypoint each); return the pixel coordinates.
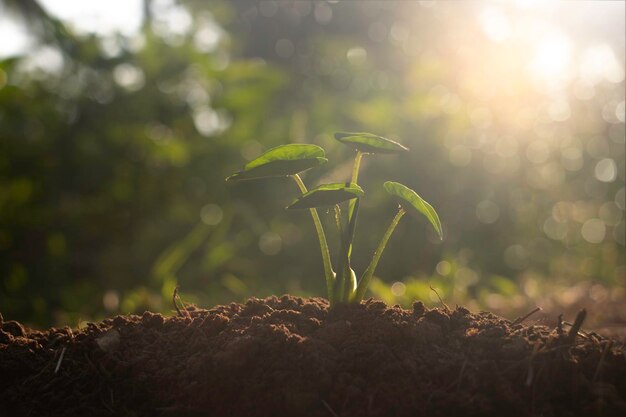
(338, 219)
(343, 282)
(328, 268)
(357, 166)
(354, 179)
(346, 279)
(369, 272)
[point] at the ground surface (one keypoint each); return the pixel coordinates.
(289, 356)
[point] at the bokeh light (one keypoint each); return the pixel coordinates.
(124, 130)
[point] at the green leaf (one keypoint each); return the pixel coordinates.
(282, 161)
(327, 195)
(414, 204)
(369, 143)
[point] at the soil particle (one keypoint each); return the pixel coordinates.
(13, 328)
(288, 356)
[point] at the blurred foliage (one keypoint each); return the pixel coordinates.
(114, 150)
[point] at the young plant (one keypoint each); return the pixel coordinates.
(290, 160)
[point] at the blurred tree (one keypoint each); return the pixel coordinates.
(113, 152)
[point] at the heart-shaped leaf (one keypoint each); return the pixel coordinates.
(369, 143)
(414, 204)
(282, 161)
(327, 195)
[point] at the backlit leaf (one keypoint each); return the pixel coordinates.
(282, 161)
(327, 195)
(414, 204)
(369, 143)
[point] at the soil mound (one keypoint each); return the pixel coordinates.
(288, 356)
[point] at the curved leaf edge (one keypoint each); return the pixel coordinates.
(411, 201)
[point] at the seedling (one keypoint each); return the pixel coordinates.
(291, 160)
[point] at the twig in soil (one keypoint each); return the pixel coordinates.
(330, 410)
(438, 296)
(60, 359)
(521, 319)
(606, 349)
(581, 333)
(580, 317)
(175, 296)
(559, 325)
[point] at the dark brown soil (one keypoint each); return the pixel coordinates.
(289, 356)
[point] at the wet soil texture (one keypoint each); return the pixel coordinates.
(290, 356)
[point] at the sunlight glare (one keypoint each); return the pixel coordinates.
(552, 56)
(495, 24)
(545, 6)
(98, 17)
(599, 62)
(13, 37)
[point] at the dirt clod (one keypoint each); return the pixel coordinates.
(293, 357)
(14, 328)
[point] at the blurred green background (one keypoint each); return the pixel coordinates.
(120, 121)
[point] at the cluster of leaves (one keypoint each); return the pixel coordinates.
(291, 160)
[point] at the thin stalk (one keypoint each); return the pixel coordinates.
(349, 280)
(337, 285)
(357, 166)
(342, 260)
(354, 179)
(352, 227)
(369, 272)
(342, 286)
(328, 268)
(338, 219)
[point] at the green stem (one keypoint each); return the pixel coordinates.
(338, 219)
(357, 166)
(345, 284)
(328, 268)
(354, 179)
(344, 280)
(369, 272)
